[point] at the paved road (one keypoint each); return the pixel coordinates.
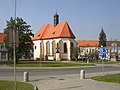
(58, 71)
(64, 78)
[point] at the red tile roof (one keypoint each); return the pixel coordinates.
(88, 43)
(2, 36)
(62, 30)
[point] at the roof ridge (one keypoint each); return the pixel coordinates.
(45, 29)
(63, 28)
(69, 30)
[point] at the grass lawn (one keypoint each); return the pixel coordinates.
(114, 78)
(51, 64)
(105, 62)
(58, 64)
(9, 85)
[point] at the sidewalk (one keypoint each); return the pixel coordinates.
(72, 82)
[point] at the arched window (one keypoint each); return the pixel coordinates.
(35, 47)
(57, 45)
(47, 48)
(65, 47)
(57, 49)
(53, 47)
(41, 50)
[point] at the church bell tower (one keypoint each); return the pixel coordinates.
(56, 19)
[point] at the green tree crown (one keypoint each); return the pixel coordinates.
(25, 34)
(102, 38)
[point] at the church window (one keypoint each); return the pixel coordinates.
(48, 48)
(53, 47)
(57, 49)
(35, 47)
(57, 45)
(65, 47)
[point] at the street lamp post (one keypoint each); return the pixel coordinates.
(14, 49)
(14, 45)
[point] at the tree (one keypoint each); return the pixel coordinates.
(102, 38)
(25, 42)
(75, 52)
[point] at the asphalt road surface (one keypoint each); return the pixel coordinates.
(60, 71)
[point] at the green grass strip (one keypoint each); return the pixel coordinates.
(108, 78)
(9, 85)
(50, 64)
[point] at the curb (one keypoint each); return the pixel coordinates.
(7, 67)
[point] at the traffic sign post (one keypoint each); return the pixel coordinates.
(102, 52)
(102, 55)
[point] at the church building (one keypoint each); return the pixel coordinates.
(54, 42)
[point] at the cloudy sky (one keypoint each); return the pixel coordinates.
(85, 17)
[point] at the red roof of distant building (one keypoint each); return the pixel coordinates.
(2, 36)
(88, 43)
(62, 30)
(109, 43)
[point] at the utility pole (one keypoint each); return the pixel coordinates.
(14, 44)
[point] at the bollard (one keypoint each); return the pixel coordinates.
(36, 88)
(87, 60)
(26, 76)
(82, 74)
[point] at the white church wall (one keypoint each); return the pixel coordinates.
(44, 43)
(36, 49)
(68, 41)
(68, 47)
(58, 40)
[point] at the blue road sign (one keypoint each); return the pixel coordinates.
(104, 55)
(102, 52)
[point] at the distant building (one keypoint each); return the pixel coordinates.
(86, 47)
(113, 50)
(3, 50)
(54, 42)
